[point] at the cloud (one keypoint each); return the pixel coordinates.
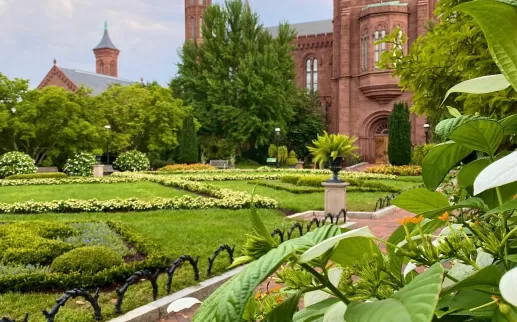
(148, 33)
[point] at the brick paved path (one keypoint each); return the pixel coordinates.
(381, 228)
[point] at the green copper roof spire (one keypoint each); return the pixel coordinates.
(106, 25)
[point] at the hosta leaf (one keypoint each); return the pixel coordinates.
(415, 302)
(486, 278)
(315, 311)
(446, 127)
(501, 172)
(440, 160)
(228, 301)
(480, 135)
(500, 29)
(336, 313)
(420, 200)
(480, 85)
(285, 310)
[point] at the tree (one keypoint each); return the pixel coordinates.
(11, 93)
(188, 144)
(399, 144)
(307, 123)
(453, 50)
(239, 79)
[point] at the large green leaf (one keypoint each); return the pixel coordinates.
(469, 172)
(420, 200)
(480, 135)
(285, 311)
(509, 124)
(228, 301)
(313, 297)
(499, 24)
(486, 278)
(470, 203)
(510, 205)
(415, 302)
(440, 160)
(499, 173)
(446, 127)
(480, 85)
(314, 312)
(336, 313)
(327, 244)
(351, 250)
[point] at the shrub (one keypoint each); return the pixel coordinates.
(157, 164)
(132, 161)
(290, 179)
(419, 153)
(406, 170)
(292, 160)
(16, 162)
(327, 148)
(186, 167)
(399, 144)
(188, 142)
(46, 175)
(88, 260)
(80, 165)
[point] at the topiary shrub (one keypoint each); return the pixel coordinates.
(46, 175)
(132, 161)
(399, 144)
(88, 260)
(292, 160)
(188, 142)
(80, 165)
(16, 162)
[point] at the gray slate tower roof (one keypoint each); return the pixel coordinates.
(307, 28)
(97, 82)
(106, 41)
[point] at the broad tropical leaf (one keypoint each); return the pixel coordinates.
(509, 124)
(499, 173)
(415, 302)
(446, 127)
(469, 172)
(440, 160)
(336, 313)
(480, 85)
(314, 312)
(354, 249)
(286, 309)
(420, 200)
(508, 286)
(480, 135)
(486, 279)
(500, 29)
(510, 205)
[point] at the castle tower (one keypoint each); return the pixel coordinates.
(194, 11)
(106, 55)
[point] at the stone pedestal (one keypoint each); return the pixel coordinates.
(335, 197)
(98, 170)
(299, 165)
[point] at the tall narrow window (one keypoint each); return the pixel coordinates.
(192, 28)
(200, 26)
(379, 34)
(191, 2)
(201, 2)
(365, 52)
(102, 67)
(399, 39)
(112, 69)
(315, 74)
(376, 53)
(383, 45)
(308, 73)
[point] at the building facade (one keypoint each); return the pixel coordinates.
(337, 57)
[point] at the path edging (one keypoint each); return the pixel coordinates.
(350, 214)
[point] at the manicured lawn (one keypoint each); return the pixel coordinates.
(404, 185)
(188, 232)
(356, 201)
(101, 191)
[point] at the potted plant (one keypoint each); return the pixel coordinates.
(292, 160)
(331, 148)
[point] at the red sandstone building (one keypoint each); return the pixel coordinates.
(106, 74)
(337, 57)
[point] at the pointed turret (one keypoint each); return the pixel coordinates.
(106, 55)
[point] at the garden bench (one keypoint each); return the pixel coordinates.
(219, 164)
(47, 169)
(108, 169)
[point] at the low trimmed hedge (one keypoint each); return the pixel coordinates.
(88, 260)
(186, 167)
(317, 181)
(46, 175)
(45, 281)
(403, 170)
(288, 187)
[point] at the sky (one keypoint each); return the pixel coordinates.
(147, 32)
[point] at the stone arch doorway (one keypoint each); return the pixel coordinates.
(374, 138)
(381, 142)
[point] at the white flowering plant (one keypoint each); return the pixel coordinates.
(80, 165)
(132, 161)
(16, 162)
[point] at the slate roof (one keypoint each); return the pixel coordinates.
(98, 82)
(307, 28)
(106, 42)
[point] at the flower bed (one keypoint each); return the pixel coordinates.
(40, 277)
(78, 180)
(404, 170)
(186, 167)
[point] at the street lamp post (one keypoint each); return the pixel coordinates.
(277, 131)
(108, 128)
(13, 109)
(426, 131)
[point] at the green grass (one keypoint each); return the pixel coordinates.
(186, 232)
(404, 185)
(101, 191)
(356, 201)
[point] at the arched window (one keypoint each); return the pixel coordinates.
(112, 68)
(364, 44)
(311, 74)
(191, 2)
(102, 67)
(200, 25)
(201, 2)
(379, 34)
(192, 28)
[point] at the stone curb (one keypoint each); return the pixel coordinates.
(351, 214)
(158, 309)
(356, 166)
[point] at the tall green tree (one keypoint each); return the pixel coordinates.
(11, 93)
(188, 145)
(451, 51)
(399, 144)
(239, 79)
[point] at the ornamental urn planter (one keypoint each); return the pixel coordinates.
(335, 167)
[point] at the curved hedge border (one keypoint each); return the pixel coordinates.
(58, 281)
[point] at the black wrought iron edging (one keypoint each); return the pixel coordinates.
(132, 280)
(178, 263)
(221, 248)
(6, 319)
(384, 202)
(293, 227)
(50, 316)
(279, 233)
